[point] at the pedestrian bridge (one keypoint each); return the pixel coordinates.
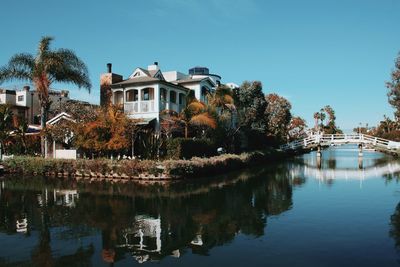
(348, 174)
(318, 140)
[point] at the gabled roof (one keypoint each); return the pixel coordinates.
(148, 73)
(61, 116)
(195, 80)
(145, 80)
(140, 79)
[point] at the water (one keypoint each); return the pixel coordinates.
(290, 214)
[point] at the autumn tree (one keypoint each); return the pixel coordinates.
(278, 117)
(394, 88)
(297, 128)
(110, 132)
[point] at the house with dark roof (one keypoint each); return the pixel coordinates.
(147, 92)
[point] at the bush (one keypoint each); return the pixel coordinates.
(186, 148)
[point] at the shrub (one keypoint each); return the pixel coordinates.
(186, 148)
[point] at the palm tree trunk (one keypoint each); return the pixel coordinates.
(43, 119)
(186, 131)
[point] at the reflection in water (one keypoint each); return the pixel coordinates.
(69, 223)
(395, 226)
(147, 223)
(325, 167)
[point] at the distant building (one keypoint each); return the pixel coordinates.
(147, 92)
(25, 102)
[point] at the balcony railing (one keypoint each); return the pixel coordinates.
(131, 107)
(139, 107)
(147, 106)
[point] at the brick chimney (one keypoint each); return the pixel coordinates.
(106, 79)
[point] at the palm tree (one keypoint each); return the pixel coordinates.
(222, 99)
(195, 113)
(44, 68)
(317, 116)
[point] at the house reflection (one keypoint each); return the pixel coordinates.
(145, 223)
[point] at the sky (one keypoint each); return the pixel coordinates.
(313, 52)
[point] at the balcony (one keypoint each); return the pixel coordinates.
(131, 108)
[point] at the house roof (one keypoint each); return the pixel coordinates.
(146, 80)
(195, 80)
(61, 116)
(140, 79)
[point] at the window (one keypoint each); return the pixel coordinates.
(172, 96)
(137, 74)
(163, 94)
(147, 94)
(132, 95)
(20, 98)
(181, 99)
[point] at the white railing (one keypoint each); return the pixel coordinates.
(339, 139)
(139, 107)
(147, 106)
(131, 107)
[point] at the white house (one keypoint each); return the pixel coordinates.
(25, 102)
(147, 92)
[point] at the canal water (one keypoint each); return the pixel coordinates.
(336, 212)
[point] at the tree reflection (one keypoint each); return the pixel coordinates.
(395, 226)
(149, 223)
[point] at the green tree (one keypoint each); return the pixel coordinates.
(251, 104)
(394, 88)
(44, 68)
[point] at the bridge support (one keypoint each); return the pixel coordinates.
(319, 151)
(360, 156)
(360, 150)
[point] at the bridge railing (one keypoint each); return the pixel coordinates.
(328, 139)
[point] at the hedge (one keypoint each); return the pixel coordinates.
(186, 148)
(168, 169)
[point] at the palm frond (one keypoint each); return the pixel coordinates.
(22, 61)
(196, 106)
(203, 119)
(44, 45)
(11, 74)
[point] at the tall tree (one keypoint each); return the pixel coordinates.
(250, 102)
(394, 88)
(44, 68)
(316, 116)
(278, 116)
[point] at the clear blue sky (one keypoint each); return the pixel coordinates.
(314, 52)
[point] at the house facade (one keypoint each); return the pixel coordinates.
(147, 92)
(25, 102)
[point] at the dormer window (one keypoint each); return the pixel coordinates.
(137, 74)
